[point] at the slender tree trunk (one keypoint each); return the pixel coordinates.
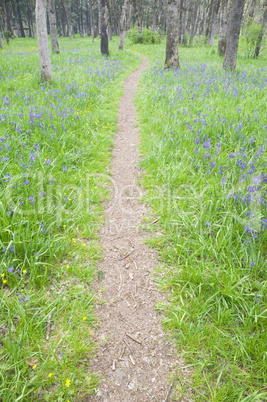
(194, 22)
(30, 19)
(172, 58)
(208, 21)
(8, 18)
(263, 26)
(104, 33)
(53, 26)
(214, 20)
(99, 18)
(123, 24)
(183, 22)
(91, 19)
(44, 55)
(22, 32)
(3, 16)
(233, 31)
(223, 27)
(1, 42)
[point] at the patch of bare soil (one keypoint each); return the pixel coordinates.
(134, 358)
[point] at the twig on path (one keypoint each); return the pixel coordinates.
(132, 360)
(120, 283)
(125, 256)
(48, 328)
(114, 365)
(127, 344)
(133, 339)
(122, 353)
(156, 220)
(121, 319)
(169, 392)
(135, 265)
(131, 243)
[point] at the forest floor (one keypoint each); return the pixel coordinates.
(134, 357)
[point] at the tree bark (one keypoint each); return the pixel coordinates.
(1, 42)
(183, 12)
(223, 27)
(22, 32)
(8, 17)
(195, 16)
(91, 19)
(53, 25)
(44, 55)
(104, 33)
(4, 19)
(172, 58)
(123, 24)
(233, 31)
(30, 19)
(214, 21)
(263, 26)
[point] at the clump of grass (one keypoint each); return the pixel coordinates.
(204, 153)
(54, 159)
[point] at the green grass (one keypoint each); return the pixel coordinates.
(54, 160)
(204, 154)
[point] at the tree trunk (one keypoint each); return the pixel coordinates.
(45, 62)
(3, 16)
(30, 19)
(195, 16)
(104, 33)
(99, 18)
(109, 19)
(8, 17)
(214, 21)
(123, 24)
(183, 22)
(53, 26)
(172, 58)
(223, 27)
(1, 42)
(233, 31)
(22, 32)
(91, 19)
(263, 26)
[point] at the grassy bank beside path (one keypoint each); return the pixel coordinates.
(204, 155)
(55, 142)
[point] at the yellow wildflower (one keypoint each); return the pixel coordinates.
(67, 383)
(34, 367)
(84, 318)
(50, 375)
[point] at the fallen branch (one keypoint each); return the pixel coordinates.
(169, 392)
(133, 339)
(127, 255)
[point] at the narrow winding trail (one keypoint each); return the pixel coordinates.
(134, 358)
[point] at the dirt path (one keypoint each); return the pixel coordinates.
(133, 358)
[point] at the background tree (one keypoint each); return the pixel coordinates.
(53, 25)
(223, 27)
(104, 26)
(123, 24)
(44, 55)
(233, 31)
(172, 58)
(262, 29)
